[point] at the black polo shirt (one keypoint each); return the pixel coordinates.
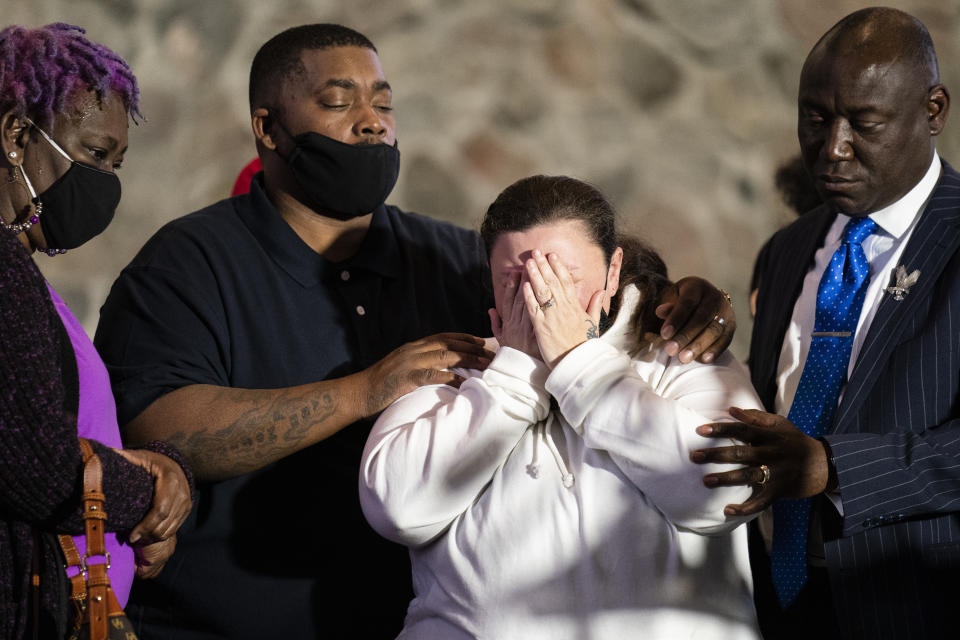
(231, 296)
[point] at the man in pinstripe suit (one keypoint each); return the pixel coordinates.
(883, 543)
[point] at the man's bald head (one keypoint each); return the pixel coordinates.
(881, 35)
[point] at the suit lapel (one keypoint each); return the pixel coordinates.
(780, 286)
(933, 242)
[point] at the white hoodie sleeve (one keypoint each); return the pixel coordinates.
(433, 451)
(649, 431)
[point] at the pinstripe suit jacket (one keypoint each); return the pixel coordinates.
(894, 562)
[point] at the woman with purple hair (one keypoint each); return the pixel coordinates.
(64, 108)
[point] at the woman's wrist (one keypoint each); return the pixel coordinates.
(166, 449)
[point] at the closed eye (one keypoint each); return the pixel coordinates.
(866, 125)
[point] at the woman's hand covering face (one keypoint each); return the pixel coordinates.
(553, 304)
(514, 329)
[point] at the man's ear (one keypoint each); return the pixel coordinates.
(261, 121)
(938, 106)
(13, 137)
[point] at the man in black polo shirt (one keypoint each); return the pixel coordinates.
(250, 330)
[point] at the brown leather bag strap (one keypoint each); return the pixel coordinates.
(70, 551)
(78, 582)
(92, 584)
(95, 518)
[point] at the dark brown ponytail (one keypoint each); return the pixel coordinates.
(644, 269)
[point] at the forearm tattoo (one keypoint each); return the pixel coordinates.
(270, 428)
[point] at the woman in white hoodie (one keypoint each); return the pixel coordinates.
(552, 495)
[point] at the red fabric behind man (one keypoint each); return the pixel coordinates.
(242, 185)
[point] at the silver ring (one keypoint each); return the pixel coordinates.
(549, 303)
(720, 321)
(766, 475)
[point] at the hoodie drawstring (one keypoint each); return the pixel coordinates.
(542, 430)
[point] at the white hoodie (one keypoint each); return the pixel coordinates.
(581, 520)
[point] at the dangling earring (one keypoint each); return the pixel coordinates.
(19, 227)
(12, 176)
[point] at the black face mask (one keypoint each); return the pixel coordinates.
(342, 179)
(78, 206)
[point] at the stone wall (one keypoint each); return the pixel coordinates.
(679, 110)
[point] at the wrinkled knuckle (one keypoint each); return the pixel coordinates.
(425, 376)
(681, 337)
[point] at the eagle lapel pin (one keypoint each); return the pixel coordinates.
(903, 283)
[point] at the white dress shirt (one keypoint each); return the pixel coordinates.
(895, 224)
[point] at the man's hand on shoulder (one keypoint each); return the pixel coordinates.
(698, 320)
(779, 460)
(418, 363)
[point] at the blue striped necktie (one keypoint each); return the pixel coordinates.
(839, 301)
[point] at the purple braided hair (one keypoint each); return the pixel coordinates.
(40, 69)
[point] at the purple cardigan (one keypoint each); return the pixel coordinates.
(40, 459)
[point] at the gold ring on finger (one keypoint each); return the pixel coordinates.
(720, 321)
(549, 303)
(765, 470)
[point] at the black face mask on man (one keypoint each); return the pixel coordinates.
(345, 180)
(78, 206)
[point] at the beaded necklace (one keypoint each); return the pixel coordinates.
(17, 228)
